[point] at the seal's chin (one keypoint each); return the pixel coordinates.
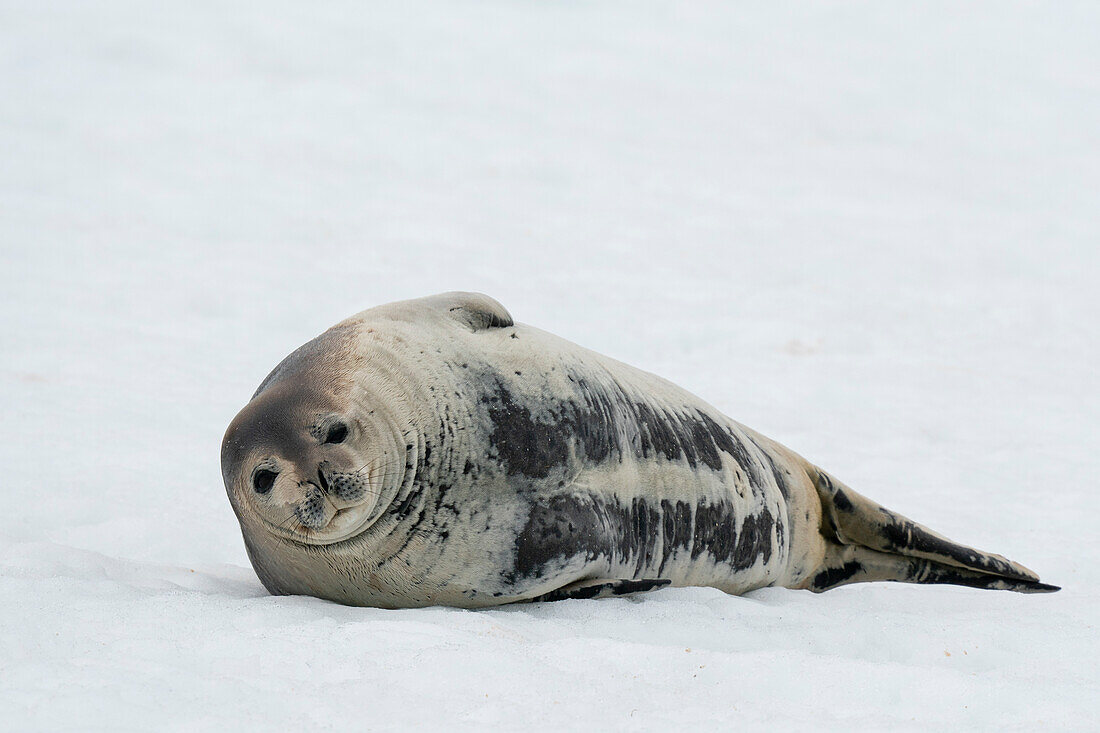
(345, 524)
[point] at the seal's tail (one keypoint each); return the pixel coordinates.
(868, 542)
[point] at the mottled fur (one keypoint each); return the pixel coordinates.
(433, 451)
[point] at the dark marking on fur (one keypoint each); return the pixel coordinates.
(716, 533)
(558, 530)
(781, 475)
(677, 530)
(639, 535)
(730, 444)
(835, 576)
(754, 540)
(905, 535)
(597, 423)
(523, 444)
(404, 508)
(707, 439)
(641, 540)
(570, 526)
(656, 434)
(840, 500)
(593, 423)
(535, 447)
(696, 438)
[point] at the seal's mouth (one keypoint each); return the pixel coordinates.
(345, 524)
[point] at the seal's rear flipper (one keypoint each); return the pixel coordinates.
(869, 542)
(855, 564)
(602, 589)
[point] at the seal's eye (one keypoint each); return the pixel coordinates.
(263, 480)
(337, 433)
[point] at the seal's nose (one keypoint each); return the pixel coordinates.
(323, 481)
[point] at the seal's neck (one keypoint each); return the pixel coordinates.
(394, 404)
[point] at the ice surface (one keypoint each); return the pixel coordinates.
(868, 231)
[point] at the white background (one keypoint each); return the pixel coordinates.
(869, 231)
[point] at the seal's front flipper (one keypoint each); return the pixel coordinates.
(602, 589)
(852, 523)
(476, 310)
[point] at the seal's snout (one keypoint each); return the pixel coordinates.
(313, 512)
(335, 485)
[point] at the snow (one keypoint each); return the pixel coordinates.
(867, 230)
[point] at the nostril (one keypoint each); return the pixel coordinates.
(321, 478)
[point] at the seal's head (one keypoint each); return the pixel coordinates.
(305, 460)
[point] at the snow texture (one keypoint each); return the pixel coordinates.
(867, 230)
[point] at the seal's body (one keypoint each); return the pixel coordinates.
(435, 452)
